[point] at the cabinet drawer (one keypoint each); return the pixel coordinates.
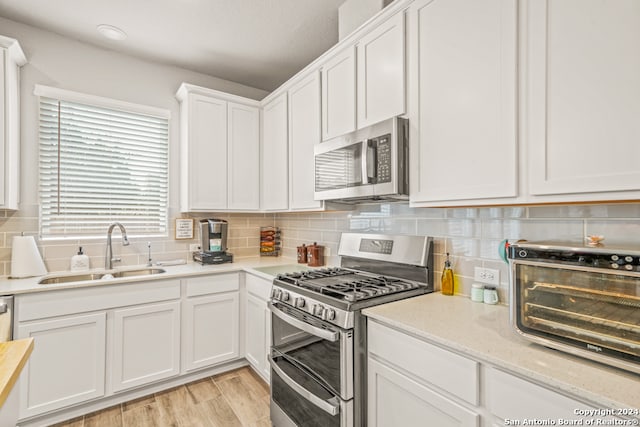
(510, 397)
(258, 286)
(214, 284)
(442, 368)
(40, 305)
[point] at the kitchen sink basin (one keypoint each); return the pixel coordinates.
(100, 276)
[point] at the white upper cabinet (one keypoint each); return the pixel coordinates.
(219, 149)
(462, 95)
(363, 84)
(274, 165)
(304, 133)
(11, 59)
(381, 72)
(582, 98)
(244, 156)
(339, 94)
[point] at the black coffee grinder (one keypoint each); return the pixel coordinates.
(213, 242)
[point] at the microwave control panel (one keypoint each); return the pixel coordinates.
(383, 169)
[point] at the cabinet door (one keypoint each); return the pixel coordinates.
(396, 400)
(67, 365)
(304, 133)
(211, 330)
(244, 157)
(3, 119)
(339, 94)
(146, 344)
(381, 72)
(205, 171)
(274, 167)
(463, 100)
(255, 339)
(511, 398)
(582, 97)
(266, 371)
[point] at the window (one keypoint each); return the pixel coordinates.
(101, 161)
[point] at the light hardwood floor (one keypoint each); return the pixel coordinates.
(233, 399)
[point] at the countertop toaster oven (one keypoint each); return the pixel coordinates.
(581, 299)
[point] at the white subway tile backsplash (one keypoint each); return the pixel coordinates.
(471, 235)
(463, 228)
(558, 229)
(615, 231)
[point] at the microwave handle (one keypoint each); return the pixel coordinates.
(369, 161)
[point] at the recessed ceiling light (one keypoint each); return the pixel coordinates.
(111, 32)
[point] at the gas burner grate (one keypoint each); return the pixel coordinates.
(346, 285)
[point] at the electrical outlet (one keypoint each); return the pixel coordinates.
(193, 247)
(487, 275)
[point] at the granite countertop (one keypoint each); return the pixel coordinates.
(13, 357)
(265, 267)
(483, 332)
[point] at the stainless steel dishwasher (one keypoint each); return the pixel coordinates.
(6, 318)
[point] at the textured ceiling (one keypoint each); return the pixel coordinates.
(259, 43)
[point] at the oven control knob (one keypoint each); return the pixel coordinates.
(273, 293)
(615, 266)
(277, 294)
(522, 253)
(318, 309)
(628, 258)
(299, 302)
(284, 296)
(614, 257)
(629, 267)
(329, 314)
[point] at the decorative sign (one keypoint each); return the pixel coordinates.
(184, 228)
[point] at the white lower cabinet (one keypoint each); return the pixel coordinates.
(211, 319)
(512, 400)
(67, 365)
(258, 325)
(113, 341)
(146, 344)
(396, 400)
(412, 382)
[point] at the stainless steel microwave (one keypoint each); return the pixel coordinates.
(370, 164)
(580, 299)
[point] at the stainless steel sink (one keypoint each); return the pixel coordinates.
(100, 276)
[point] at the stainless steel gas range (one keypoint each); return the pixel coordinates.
(319, 336)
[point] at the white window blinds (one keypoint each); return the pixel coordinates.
(99, 165)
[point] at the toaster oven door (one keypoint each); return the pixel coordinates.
(590, 312)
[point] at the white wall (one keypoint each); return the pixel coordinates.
(58, 61)
(61, 62)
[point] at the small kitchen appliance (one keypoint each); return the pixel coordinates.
(319, 335)
(581, 299)
(370, 164)
(213, 242)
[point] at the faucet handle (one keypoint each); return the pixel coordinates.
(116, 259)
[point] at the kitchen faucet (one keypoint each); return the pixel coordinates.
(108, 258)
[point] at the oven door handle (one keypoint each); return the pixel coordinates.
(330, 406)
(313, 330)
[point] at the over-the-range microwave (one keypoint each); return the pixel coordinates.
(370, 164)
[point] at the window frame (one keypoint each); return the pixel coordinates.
(113, 104)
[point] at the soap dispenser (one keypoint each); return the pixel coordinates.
(79, 262)
(447, 278)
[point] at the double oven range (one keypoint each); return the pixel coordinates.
(319, 335)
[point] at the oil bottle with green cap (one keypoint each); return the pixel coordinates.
(447, 278)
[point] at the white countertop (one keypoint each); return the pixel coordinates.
(483, 332)
(251, 265)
